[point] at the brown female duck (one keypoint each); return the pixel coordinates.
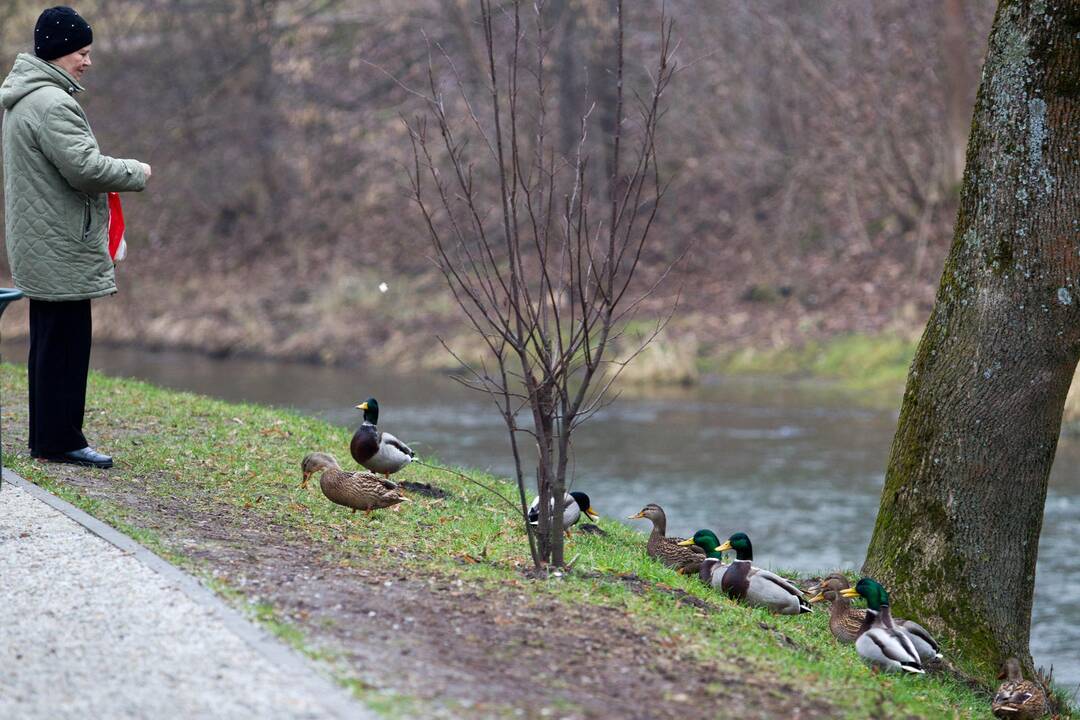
(1016, 697)
(685, 559)
(356, 490)
(845, 622)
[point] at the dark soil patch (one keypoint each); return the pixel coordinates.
(641, 586)
(425, 489)
(435, 637)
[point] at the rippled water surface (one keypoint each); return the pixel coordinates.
(799, 469)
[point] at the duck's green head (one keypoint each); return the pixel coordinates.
(871, 591)
(740, 543)
(707, 541)
(371, 410)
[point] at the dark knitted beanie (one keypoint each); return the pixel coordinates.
(60, 31)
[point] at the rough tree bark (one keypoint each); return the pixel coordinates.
(957, 534)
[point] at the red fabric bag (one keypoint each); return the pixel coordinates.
(117, 245)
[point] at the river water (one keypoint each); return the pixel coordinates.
(798, 467)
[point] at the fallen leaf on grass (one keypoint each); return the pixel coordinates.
(276, 432)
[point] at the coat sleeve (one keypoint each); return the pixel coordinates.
(66, 140)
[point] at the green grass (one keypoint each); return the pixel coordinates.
(860, 361)
(870, 369)
(212, 454)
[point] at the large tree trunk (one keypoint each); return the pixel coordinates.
(957, 534)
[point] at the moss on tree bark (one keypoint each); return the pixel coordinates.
(957, 535)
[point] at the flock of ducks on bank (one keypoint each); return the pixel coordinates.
(883, 642)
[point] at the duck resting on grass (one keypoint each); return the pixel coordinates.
(379, 452)
(574, 504)
(883, 646)
(668, 550)
(1016, 697)
(847, 622)
(708, 542)
(357, 490)
(756, 587)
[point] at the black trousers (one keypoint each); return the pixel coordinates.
(57, 367)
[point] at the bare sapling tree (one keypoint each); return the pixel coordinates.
(544, 264)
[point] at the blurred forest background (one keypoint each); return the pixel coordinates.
(815, 151)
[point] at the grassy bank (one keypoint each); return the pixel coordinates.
(188, 461)
(859, 362)
(873, 368)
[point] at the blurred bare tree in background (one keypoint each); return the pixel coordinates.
(815, 167)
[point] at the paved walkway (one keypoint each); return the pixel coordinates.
(94, 625)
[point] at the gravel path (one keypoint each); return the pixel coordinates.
(102, 628)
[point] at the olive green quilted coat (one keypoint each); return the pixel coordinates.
(55, 180)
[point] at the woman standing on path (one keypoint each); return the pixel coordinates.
(56, 217)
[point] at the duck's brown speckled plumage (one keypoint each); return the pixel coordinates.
(357, 490)
(1018, 698)
(685, 559)
(845, 622)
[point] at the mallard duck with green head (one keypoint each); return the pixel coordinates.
(575, 504)
(709, 544)
(1016, 697)
(379, 452)
(707, 541)
(357, 490)
(883, 645)
(753, 585)
(668, 550)
(847, 622)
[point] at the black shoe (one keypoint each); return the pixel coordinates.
(87, 457)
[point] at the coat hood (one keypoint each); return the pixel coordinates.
(31, 73)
